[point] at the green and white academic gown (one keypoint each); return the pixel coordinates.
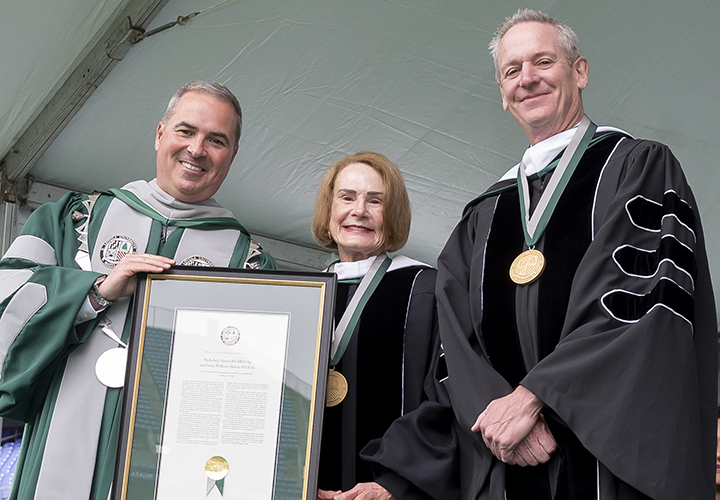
(48, 353)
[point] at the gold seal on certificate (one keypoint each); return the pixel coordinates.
(527, 267)
(337, 388)
(230, 335)
(216, 468)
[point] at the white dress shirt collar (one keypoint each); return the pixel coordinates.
(538, 156)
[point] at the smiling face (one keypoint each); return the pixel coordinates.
(196, 147)
(539, 87)
(356, 214)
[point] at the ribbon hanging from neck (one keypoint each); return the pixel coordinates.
(337, 384)
(529, 265)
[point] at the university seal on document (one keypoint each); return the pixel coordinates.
(230, 335)
(197, 261)
(115, 248)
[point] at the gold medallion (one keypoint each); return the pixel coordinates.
(527, 267)
(216, 468)
(337, 388)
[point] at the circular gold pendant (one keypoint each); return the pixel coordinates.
(337, 388)
(527, 267)
(216, 468)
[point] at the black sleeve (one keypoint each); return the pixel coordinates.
(417, 458)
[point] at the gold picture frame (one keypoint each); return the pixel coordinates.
(225, 385)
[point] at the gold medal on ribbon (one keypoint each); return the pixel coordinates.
(337, 388)
(527, 267)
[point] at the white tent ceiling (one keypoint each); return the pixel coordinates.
(320, 79)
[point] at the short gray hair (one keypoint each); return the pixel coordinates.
(216, 90)
(567, 38)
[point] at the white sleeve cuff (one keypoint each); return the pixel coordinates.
(86, 312)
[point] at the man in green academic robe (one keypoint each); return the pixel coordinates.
(66, 285)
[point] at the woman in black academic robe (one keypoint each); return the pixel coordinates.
(363, 211)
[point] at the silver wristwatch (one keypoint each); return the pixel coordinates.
(95, 293)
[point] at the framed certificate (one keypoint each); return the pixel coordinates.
(225, 385)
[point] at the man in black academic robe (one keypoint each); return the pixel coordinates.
(597, 380)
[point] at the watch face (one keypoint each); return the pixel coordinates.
(95, 291)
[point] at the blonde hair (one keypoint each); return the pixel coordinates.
(396, 203)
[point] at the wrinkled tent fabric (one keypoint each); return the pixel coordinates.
(320, 79)
(41, 43)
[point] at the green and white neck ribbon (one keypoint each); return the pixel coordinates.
(345, 328)
(534, 226)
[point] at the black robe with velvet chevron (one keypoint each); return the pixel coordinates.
(617, 337)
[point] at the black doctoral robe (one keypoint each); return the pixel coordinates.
(385, 364)
(617, 337)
